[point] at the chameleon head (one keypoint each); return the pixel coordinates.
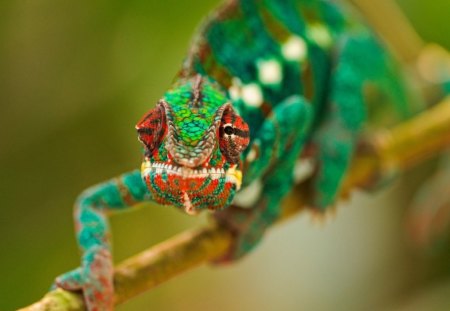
(193, 140)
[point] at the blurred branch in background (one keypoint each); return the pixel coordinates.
(398, 32)
(400, 148)
(428, 61)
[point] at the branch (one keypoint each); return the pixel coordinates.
(402, 147)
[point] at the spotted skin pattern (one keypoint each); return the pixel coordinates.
(262, 80)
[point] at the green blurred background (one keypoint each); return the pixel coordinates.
(76, 76)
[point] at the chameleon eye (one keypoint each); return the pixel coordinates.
(233, 135)
(229, 130)
(151, 128)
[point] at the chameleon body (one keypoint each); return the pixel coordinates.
(264, 82)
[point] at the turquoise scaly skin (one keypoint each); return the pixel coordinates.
(262, 81)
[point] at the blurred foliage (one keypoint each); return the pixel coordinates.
(75, 77)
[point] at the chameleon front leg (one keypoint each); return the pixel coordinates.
(95, 276)
(278, 146)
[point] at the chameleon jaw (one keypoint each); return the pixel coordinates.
(235, 176)
(232, 175)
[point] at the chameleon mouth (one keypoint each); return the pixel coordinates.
(232, 174)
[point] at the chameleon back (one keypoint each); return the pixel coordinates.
(262, 52)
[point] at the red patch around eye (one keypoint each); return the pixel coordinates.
(234, 135)
(151, 128)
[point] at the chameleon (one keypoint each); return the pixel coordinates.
(265, 85)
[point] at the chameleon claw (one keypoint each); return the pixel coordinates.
(94, 279)
(72, 280)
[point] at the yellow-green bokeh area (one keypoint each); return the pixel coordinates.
(75, 76)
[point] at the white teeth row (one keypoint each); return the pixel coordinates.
(185, 171)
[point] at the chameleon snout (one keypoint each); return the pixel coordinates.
(191, 189)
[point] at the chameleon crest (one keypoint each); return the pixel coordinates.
(193, 140)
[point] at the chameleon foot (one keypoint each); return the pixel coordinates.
(247, 228)
(94, 279)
